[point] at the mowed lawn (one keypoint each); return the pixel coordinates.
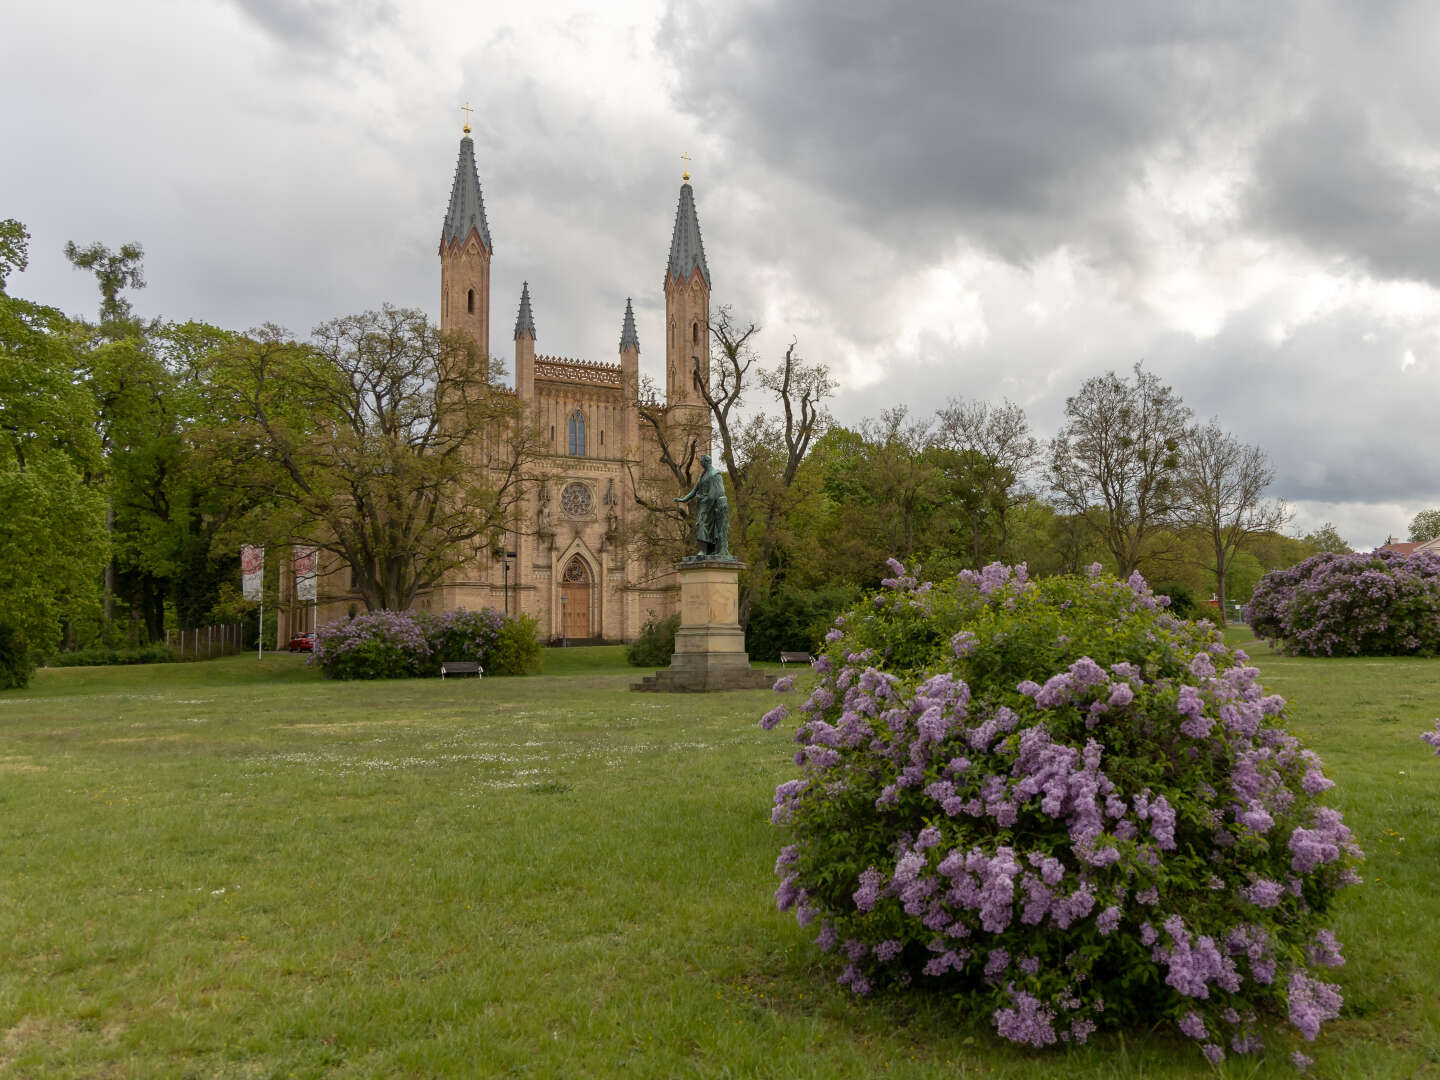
(234, 869)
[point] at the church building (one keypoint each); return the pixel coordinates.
(567, 563)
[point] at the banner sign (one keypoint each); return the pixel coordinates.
(252, 571)
(305, 573)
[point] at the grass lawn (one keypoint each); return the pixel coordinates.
(233, 869)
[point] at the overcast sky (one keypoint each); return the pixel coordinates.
(981, 199)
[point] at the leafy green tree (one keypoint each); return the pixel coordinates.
(1326, 538)
(14, 249)
(52, 536)
(383, 441)
(1425, 526)
(998, 453)
(114, 271)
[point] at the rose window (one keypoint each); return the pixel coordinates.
(576, 501)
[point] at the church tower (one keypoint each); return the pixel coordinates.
(687, 307)
(465, 251)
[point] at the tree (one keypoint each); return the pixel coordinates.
(114, 271)
(1326, 538)
(1117, 459)
(1221, 495)
(761, 454)
(680, 434)
(1425, 526)
(890, 493)
(52, 532)
(1000, 452)
(384, 441)
(14, 249)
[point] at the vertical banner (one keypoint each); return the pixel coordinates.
(252, 571)
(305, 569)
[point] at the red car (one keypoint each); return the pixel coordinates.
(302, 643)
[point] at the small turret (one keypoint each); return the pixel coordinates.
(630, 382)
(524, 346)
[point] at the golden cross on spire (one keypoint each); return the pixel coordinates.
(686, 175)
(467, 109)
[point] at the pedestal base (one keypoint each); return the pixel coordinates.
(709, 646)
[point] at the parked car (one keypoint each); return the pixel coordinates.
(302, 643)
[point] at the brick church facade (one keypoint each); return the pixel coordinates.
(568, 563)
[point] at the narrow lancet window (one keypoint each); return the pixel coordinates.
(577, 434)
(470, 302)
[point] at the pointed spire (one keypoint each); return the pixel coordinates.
(687, 252)
(629, 339)
(524, 321)
(467, 204)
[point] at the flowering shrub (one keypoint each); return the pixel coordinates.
(377, 645)
(460, 635)
(1065, 805)
(1381, 604)
(398, 644)
(1433, 737)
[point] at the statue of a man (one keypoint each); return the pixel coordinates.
(712, 513)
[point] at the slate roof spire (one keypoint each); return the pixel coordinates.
(467, 204)
(629, 339)
(687, 251)
(524, 321)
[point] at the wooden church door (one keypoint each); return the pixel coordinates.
(575, 599)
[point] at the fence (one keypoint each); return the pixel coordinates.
(207, 641)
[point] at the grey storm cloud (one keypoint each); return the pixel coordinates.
(1020, 122)
(314, 24)
(1330, 180)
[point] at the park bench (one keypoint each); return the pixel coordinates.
(795, 658)
(461, 667)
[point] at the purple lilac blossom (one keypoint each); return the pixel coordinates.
(1263, 893)
(1325, 950)
(1026, 1021)
(1311, 1003)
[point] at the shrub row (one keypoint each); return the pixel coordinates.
(145, 654)
(403, 644)
(1382, 604)
(1065, 807)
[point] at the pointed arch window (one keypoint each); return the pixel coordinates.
(470, 302)
(695, 333)
(576, 434)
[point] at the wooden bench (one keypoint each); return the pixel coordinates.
(461, 667)
(795, 658)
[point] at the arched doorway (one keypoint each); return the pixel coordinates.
(575, 599)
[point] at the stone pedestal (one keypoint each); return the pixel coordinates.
(709, 646)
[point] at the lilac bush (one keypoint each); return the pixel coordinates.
(1382, 604)
(1064, 806)
(401, 644)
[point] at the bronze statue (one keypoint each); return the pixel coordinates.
(712, 513)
